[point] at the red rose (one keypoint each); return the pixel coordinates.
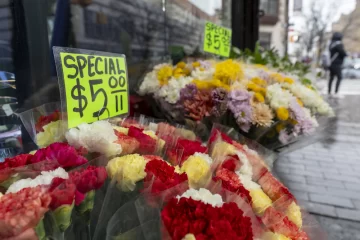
(147, 144)
(66, 155)
(44, 120)
(22, 211)
(90, 178)
(128, 144)
(231, 182)
(62, 192)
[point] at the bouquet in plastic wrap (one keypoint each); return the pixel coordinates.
(271, 107)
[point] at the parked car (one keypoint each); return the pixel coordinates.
(351, 68)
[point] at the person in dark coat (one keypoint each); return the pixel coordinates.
(337, 55)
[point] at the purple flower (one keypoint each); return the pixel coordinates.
(304, 122)
(205, 64)
(188, 92)
(284, 137)
(219, 98)
(240, 95)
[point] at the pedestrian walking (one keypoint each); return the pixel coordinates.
(337, 55)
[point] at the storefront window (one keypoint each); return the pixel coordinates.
(270, 7)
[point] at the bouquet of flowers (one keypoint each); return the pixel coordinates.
(271, 107)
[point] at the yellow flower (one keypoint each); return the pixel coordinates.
(293, 121)
(259, 97)
(252, 87)
(33, 152)
(222, 149)
(294, 214)
(279, 127)
(282, 113)
(178, 72)
(181, 65)
(201, 69)
(260, 201)
(189, 236)
(186, 71)
(289, 80)
(277, 77)
(178, 169)
(274, 236)
(196, 64)
(262, 114)
(197, 170)
(121, 129)
(127, 170)
(300, 102)
(259, 81)
(53, 132)
(164, 74)
(262, 91)
(216, 83)
(201, 84)
(228, 71)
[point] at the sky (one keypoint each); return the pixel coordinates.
(345, 6)
(207, 6)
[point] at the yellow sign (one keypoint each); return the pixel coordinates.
(95, 86)
(217, 39)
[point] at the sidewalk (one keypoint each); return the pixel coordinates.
(325, 176)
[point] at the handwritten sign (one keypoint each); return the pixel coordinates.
(217, 39)
(94, 84)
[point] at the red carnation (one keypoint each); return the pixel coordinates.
(129, 122)
(189, 148)
(163, 174)
(90, 178)
(44, 120)
(232, 163)
(147, 144)
(6, 167)
(217, 134)
(128, 144)
(280, 223)
(186, 215)
(231, 182)
(62, 192)
(22, 211)
(66, 155)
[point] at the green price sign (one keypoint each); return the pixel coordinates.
(217, 39)
(94, 85)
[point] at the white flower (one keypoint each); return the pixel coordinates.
(150, 84)
(311, 99)
(247, 181)
(44, 179)
(246, 167)
(204, 196)
(203, 74)
(171, 91)
(96, 137)
(278, 97)
(204, 156)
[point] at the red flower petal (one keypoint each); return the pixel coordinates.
(147, 144)
(90, 178)
(62, 192)
(44, 120)
(128, 144)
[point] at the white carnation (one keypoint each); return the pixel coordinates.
(248, 183)
(171, 91)
(278, 97)
(204, 196)
(203, 74)
(246, 167)
(44, 179)
(150, 84)
(96, 137)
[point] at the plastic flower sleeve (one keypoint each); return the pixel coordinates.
(45, 124)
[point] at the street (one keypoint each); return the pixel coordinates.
(324, 176)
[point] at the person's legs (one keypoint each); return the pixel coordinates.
(339, 78)
(332, 74)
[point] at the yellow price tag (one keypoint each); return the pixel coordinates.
(95, 86)
(217, 39)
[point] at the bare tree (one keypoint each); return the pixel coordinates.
(317, 21)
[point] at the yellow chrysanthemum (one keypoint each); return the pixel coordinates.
(259, 97)
(186, 71)
(123, 130)
(252, 87)
(228, 71)
(260, 201)
(197, 170)
(127, 170)
(279, 127)
(300, 102)
(202, 84)
(178, 72)
(289, 80)
(216, 83)
(262, 91)
(282, 113)
(222, 149)
(293, 121)
(274, 236)
(196, 64)
(277, 77)
(294, 214)
(259, 81)
(181, 65)
(164, 74)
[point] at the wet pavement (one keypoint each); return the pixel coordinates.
(325, 176)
